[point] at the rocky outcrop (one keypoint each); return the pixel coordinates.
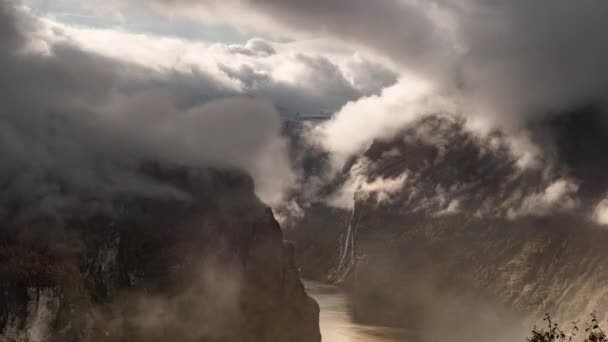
(207, 265)
(31, 322)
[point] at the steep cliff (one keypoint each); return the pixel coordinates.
(453, 237)
(209, 264)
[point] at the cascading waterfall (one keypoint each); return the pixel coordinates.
(347, 257)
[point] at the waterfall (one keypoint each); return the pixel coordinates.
(347, 257)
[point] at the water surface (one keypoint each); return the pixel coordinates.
(336, 320)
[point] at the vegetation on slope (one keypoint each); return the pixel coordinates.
(553, 333)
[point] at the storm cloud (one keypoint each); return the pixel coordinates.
(504, 60)
(517, 58)
(514, 67)
(501, 65)
(77, 125)
(521, 57)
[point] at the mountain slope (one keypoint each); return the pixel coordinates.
(210, 266)
(453, 236)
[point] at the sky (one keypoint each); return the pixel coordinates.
(95, 85)
(133, 18)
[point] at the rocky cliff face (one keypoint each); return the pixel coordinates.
(453, 237)
(207, 265)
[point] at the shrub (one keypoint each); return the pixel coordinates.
(553, 333)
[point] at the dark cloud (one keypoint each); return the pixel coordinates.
(533, 56)
(402, 29)
(514, 58)
(515, 62)
(577, 139)
(507, 60)
(10, 33)
(75, 126)
(517, 56)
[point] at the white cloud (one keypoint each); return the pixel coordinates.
(600, 214)
(558, 196)
(359, 123)
(360, 187)
(154, 52)
(300, 76)
(452, 208)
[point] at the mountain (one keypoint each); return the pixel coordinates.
(207, 265)
(449, 234)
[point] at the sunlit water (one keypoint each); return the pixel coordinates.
(336, 320)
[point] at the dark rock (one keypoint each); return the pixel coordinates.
(210, 266)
